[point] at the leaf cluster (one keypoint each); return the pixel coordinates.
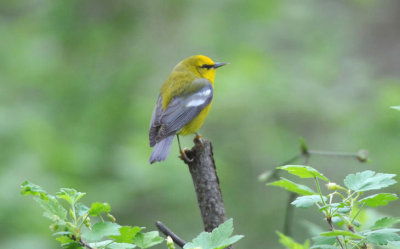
(342, 206)
(77, 226)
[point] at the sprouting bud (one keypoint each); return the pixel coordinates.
(362, 156)
(111, 218)
(332, 186)
(87, 222)
(170, 243)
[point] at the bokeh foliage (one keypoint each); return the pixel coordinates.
(79, 79)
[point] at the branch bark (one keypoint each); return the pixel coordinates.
(206, 183)
(167, 232)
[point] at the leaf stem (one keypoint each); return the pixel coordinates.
(358, 212)
(319, 190)
(329, 219)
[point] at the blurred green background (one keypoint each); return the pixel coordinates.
(79, 80)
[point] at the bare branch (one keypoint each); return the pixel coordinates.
(206, 183)
(167, 232)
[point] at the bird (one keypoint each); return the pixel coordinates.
(183, 104)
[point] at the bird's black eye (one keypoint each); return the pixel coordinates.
(207, 66)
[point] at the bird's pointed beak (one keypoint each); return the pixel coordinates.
(219, 64)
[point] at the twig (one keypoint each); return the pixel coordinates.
(167, 232)
(206, 183)
(287, 225)
(329, 219)
(81, 242)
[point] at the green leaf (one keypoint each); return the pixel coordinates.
(368, 180)
(290, 243)
(120, 246)
(378, 199)
(28, 188)
(292, 187)
(101, 230)
(385, 222)
(307, 201)
(53, 209)
(97, 208)
(126, 234)
(109, 244)
(383, 236)
(324, 242)
(70, 195)
(146, 240)
(303, 171)
(219, 238)
(81, 209)
(325, 246)
(64, 240)
(342, 233)
(68, 243)
(395, 107)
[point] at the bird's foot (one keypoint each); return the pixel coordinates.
(184, 156)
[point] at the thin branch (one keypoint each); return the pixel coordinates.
(329, 219)
(167, 232)
(81, 242)
(287, 225)
(289, 214)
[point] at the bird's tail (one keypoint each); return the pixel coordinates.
(161, 150)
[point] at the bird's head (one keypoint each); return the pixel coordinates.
(201, 65)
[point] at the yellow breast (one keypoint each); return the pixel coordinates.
(194, 125)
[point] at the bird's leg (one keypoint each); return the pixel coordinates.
(199, 138)
(183, 156)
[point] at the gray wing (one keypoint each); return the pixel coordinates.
(180, 111)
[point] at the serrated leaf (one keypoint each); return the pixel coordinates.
(28, 188)
(383, 236)
(97, 208)
(53, 209)
(385, 222)
(290, 243)
(81, 209)
(126, 234)
(111, 245)
(70, 195)
(120, 246)
(146, 240)
(217, 239)
(342, 233)
(378, 199)
(368, 180)
(322, 240)
(101, 230)
(68, 243)
(307, 201)
(303, 171)
(64, 239)
(292, 187)
(324, 247)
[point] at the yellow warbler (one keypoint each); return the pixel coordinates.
(183, 104)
